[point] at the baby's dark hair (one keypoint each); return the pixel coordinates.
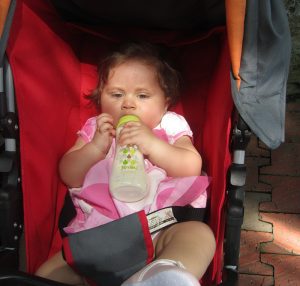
(168, 77)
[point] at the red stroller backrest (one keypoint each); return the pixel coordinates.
(54, 65)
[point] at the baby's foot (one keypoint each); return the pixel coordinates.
(162, 272)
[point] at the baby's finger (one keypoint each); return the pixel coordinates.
(132, 124)
(125, 133)
(104, 118)
(105, 127)
(130, 127)
(131, 137)
(104, 123)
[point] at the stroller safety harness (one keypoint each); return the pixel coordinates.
(111, 253)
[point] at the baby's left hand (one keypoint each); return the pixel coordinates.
(137, 133)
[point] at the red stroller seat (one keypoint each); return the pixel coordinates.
(53, 62)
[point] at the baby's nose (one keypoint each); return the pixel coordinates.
(128, 104)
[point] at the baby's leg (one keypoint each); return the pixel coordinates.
(58, 270)
(183, 253)
(192, 243)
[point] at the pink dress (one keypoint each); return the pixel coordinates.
(94, 204)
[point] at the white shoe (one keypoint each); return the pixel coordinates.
(162, 272)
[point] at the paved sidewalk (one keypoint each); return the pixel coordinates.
(270, 240)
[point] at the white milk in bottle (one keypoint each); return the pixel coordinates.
(128, 181)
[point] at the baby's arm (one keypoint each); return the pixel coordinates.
(82, 156)
(178, 160)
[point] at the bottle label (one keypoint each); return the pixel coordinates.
(128, 158)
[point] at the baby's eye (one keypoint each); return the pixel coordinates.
(143, 96)
(117, 94)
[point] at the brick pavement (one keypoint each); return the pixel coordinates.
(270, 240)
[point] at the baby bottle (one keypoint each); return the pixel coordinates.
(128, 181)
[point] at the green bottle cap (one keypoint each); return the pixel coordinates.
(127, 118)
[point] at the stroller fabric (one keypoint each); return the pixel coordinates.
(264, 70)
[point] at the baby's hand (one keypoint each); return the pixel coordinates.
(104, 134)
(137, 133)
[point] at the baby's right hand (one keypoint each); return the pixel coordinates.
(104, 134)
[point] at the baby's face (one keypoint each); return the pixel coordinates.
(133, 88)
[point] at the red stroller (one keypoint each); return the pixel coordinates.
(234, 60)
